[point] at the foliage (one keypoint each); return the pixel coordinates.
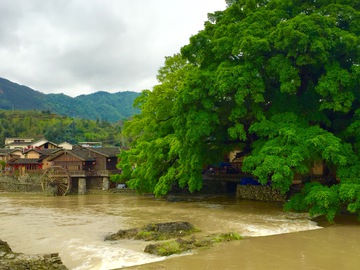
(169, 248)
(155, 148)
(181, 245)
(319, 199)
(176, 246)
(2, 165)
(100, 105)
(226, 237)
(55, 128)
(277, 78)
(292, 147)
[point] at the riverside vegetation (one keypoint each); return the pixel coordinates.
(277, 80)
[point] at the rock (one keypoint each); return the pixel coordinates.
(171, 230)
(152, 249)
(181, 245)
(122, 234)
(154, 231)
(20, 261)
(169, 227)
(4, 247)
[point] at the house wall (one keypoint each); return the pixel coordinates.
(47, 163)
(100, 163)
(66, 145)
(48, 146)
(12, 140)
(68, 162)
(17, 153)
(32, 154)
(232, 155)
(111, 163)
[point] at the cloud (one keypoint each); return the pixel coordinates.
(82, 46)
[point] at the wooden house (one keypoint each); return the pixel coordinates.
(89, 166)
(87, 158)
(78, 160)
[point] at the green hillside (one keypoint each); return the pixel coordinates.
(101, 105)
(15, 96)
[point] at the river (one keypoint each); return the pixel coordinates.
(75, 226)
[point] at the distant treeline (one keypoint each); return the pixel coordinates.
(56, 128)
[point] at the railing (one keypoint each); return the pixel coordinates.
(92, 173)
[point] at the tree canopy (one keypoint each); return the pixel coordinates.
(279, 78)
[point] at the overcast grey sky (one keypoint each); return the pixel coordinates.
(82, 46)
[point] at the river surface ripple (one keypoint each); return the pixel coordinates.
(75, 226)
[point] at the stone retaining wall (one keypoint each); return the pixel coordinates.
(25, 183)
(259, 193)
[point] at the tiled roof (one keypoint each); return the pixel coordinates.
(19, 143)
(42, 142)
(106, 151)
(47, 152)
(80, 153)
(5, 151)
(43, 152)
(24, 161)
(87, 153)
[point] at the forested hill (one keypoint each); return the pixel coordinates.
(110, 107)
(56, 128)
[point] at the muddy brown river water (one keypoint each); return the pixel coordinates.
(75, 226)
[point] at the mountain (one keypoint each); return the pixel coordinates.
(101, 105)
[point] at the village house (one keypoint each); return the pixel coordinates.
(24, 155)
(31, 160)
(43, 144)
(65, 145)
(17, 143)
(88, 166)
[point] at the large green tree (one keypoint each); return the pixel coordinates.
(278, 78)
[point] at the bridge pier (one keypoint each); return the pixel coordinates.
(105, 183)
(82, 186)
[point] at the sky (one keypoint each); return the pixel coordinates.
(82, 46)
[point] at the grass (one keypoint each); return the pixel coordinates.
(226, 237)
(182, 245)
(169, 248)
